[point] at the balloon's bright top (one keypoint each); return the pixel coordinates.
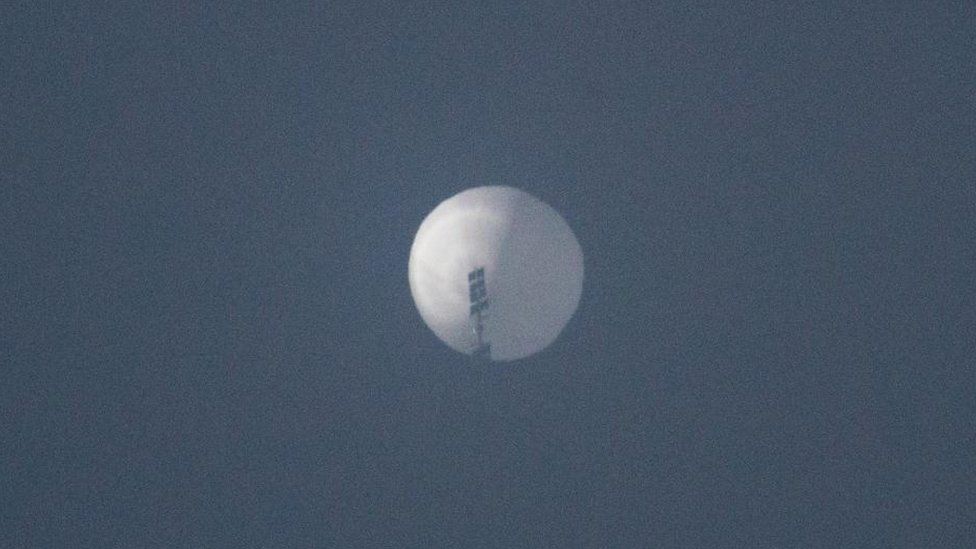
(496, 266)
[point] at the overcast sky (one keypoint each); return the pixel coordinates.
(207, 337)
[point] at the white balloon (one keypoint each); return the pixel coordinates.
(533, 271)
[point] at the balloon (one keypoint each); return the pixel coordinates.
(495, 272)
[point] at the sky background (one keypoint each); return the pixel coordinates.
(207, 337)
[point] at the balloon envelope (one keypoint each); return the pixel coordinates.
(532, 278)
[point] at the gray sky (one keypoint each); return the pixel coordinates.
(208, 338)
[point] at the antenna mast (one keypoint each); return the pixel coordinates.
(478, 293)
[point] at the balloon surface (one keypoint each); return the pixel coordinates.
(531, 281)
